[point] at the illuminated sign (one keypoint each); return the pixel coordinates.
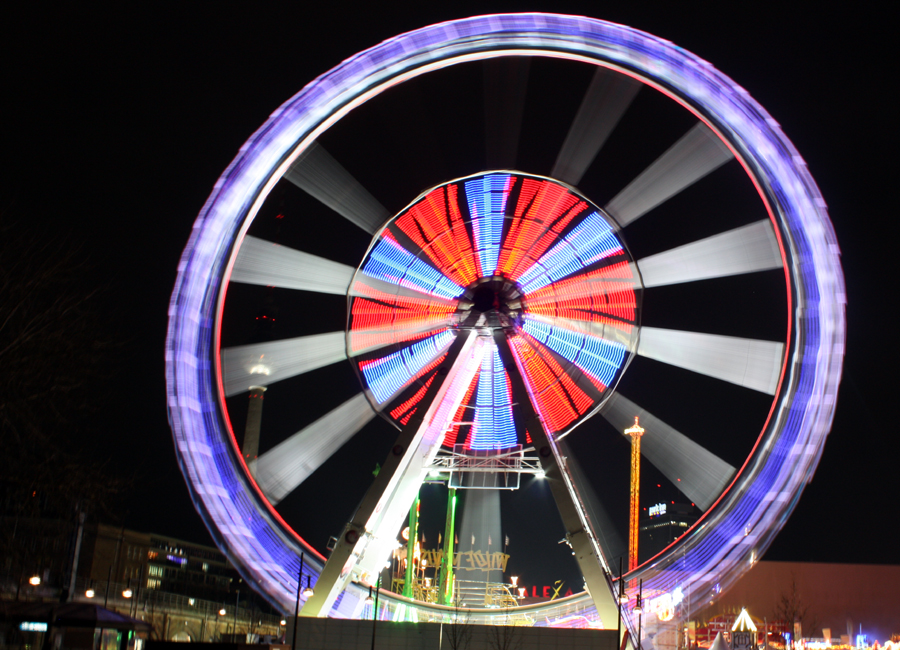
(658, 509)
(29, 626)
(664, 606)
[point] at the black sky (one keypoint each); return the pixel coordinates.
(117, 121)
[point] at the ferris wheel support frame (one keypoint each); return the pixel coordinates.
(594, 568)
(361, 549)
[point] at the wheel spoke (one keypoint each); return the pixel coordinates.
(266, 363)
(745, 362)
(746, 249)
(505, 83)
(388, 375)
(323, 178)
(486, 198)
(695, 155)
(591, 240)
(698, 473)
(283, 468)
(265, 263)
(604, 104)
(600, 359)
(390, 262)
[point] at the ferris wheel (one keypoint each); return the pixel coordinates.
(505, 309)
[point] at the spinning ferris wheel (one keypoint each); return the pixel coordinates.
(496, 312)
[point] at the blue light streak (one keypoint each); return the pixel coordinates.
(387, 376)
(493, 428)
(589, 241)
(487, 203)
(595, 356)
(392, 263)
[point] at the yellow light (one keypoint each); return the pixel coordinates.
(308, 592)
(89, 593)
(282, 622)
(744, 622)
(222, 612)
(127, 593)
(515, 580)
(34, 581)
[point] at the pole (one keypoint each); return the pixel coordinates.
(78, 535)
(411, 548)
(108, 580)
(619, 604)
(297, 609)
(446, 587)
(641, 614)
(375, 609)
(237, 603)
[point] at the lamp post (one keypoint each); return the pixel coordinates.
(639, 610)
(375, 608)
(237, 603)
(108, 580)
(297, 608)
(620, 600)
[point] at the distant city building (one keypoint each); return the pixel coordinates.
(152, 561)
(664, 523)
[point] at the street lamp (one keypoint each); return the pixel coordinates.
(621, 600)
(89, 593)
(222, 612)
(128, 593)
(34, 581)
(639, 610)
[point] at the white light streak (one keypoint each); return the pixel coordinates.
(363, 281)
(745, 362)
(703, 475)
(283, 468)
(746, 249)
(608, 331)
(268, 264)
(276, 360)
(695, 155)
(604, 104)
(323, 178)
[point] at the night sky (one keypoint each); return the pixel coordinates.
(118, 121)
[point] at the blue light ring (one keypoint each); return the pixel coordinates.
(264, 158)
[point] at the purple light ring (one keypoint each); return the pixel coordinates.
(236, 197)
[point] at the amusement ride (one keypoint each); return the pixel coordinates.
(614, 261)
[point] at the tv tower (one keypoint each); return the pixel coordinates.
(635, 432)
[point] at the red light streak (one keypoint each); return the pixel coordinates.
(442, 235)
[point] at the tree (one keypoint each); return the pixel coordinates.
(55, 347)
(459, 632)
(791, 608)
(505, 637)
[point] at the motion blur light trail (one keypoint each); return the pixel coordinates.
(322, 177)
(281, 469)
(604, 104)
(697, 154)
(746, 249)
(267, 264)
(265, 363)
(699, 474)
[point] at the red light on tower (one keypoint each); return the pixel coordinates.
(635, 432)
